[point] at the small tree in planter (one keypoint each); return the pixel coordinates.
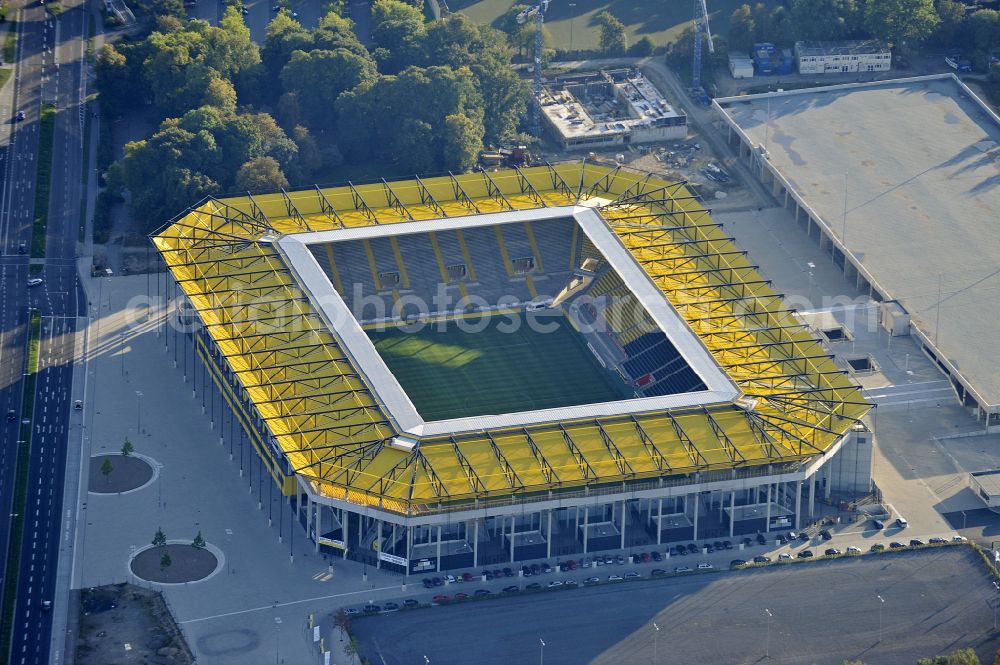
(160, 538)
(106, 468)
(199, 542)
(127, 448)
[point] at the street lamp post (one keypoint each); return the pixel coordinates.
(767, 639)
(881, 602)
(541, 651)
(656, 638)
(138, 424)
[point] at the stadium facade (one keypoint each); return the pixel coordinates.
(683, 401)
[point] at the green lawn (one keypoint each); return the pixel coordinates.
(43, 180)
(455, 373)
(10, 42)
(661, 21)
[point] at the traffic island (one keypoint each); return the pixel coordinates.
(177, 562)
(116, 474)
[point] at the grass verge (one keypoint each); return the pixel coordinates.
(10, 43)
(5, 74)
(43, 180)
(20, 484)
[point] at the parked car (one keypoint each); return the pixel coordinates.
(656, 556)
(375, 609)
(683, 569)
(877, 547)
(784, 556)
(803, 536)
(631, 575)
(737, 563)
(853, 550)
(646, 558)
(681, 550)
(466, 577)
(19, 117)
(620, 560)
(692, 548)
(534, 586)
(461, 596)
(805, 554)
(411, 602)
(571, 564)
(705, 566)
(782, 539)
(615, 578)
(546, 568)
(902, 523)
(878, 524)
(352, 612)
(958, 539)
(555, 583)
(896, 545)
(761, 540)
(437, 581)
(832, 551)
(937, 541)
(450, 579)
(825, 534)
(592, 580)
(34, 281)
(916, 542)
(760, 558)
(513, 588)
(483, 592)
(11, 415)
(747, 542)
(792, 536)
(657, 572)
(708, 548)
(727, 545)
(390, 607)
(570, 583)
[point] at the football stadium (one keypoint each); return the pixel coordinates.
(508, 365)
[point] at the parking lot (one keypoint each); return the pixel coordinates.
(935, 600)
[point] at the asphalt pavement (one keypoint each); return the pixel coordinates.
(50, 68)
(822, 612)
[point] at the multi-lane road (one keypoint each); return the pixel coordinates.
(49, 69)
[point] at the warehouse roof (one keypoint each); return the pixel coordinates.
(923, 194)
(326, 416)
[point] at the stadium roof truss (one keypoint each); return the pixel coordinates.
(791, 402)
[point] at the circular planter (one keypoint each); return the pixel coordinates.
(187, 564)
(130, 474)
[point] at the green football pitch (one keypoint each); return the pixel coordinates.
(454, 373)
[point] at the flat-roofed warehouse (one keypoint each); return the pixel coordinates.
(920, 164)
(709, 409)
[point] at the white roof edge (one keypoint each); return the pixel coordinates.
(358, 347)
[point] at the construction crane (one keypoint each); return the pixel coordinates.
(700, 27)
(538, 13)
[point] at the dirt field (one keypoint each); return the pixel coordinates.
(127, 624)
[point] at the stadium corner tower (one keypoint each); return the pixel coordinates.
(496, 367)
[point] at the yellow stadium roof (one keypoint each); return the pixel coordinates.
(329, 422)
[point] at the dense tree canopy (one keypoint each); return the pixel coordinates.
(899, 21)
(424, 96)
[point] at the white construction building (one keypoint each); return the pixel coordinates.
(842, 57)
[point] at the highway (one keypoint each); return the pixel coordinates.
(50, 68)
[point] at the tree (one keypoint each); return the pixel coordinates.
(957, 657)
(742, 28)
(310, 157)
(825, 19)
(505, 97)
(319, 77)
(106, 468)
(284, 36)
(462, 142)
(259, 175)
(508, 22)
(984, 29)
(899, 21)
(221, 94)
(114, 80)
(951, 14)
(165, 561)
(159, 538)
(199, 542)
(127, 448)
(342, 621)
(398, 29)
(642, 48)
(613, 39)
